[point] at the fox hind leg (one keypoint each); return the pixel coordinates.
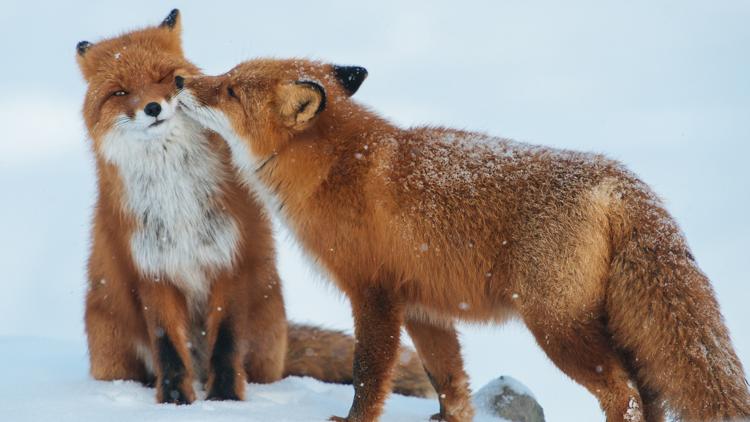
(653, 403)
(247, 334)
(653, 406)
(581, 348)
(112, 348)
(266, 334)
(116, 333)
(440, 351)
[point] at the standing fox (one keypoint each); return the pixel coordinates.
(430, 225)
(182, 276)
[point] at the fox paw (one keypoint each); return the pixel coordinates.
(223, 388)
(176, 396)
(227, 395)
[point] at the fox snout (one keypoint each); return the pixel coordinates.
(152, 109)
(206, 89)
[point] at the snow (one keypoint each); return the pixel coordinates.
(662, 88)
(633, 413)
(47, 380)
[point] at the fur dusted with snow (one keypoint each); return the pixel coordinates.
(430, 225)
(182, 277)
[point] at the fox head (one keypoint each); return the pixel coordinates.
(130, 80)
(261, 105)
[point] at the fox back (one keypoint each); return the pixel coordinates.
(423, 226)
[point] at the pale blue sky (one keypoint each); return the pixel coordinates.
(663, 87)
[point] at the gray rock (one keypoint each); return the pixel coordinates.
(507, 398)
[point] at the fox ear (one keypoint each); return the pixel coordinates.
(82, 47)
(83, 61)
(300, 102)
(172, 21)
(350, 77)
(172, 28)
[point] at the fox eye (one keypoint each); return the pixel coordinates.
(231, 93)
(119, 93)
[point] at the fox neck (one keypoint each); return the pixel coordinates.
(296, 176)
(280, 180)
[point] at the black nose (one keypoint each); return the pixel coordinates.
(152, 109)
(179, 82)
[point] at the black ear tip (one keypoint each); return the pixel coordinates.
(82, 47)
(171, 20)
(351, 77)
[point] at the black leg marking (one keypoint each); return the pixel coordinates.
(437, 416)
(223, 387)
(173, 372)
(149, 381)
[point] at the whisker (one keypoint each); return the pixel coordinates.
(266, 161)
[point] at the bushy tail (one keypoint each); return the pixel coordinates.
(328, 356)
(663, 312)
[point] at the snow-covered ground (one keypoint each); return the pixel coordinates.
(46, 380)
(661, 86)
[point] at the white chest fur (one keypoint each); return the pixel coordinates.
(171, 182)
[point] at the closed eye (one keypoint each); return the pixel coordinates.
(231, 93)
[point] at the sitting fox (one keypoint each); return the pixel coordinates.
(182, 274)
(426, 226)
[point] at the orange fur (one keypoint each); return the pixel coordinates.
(141, 323)
(430, 225)
(329, 355)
